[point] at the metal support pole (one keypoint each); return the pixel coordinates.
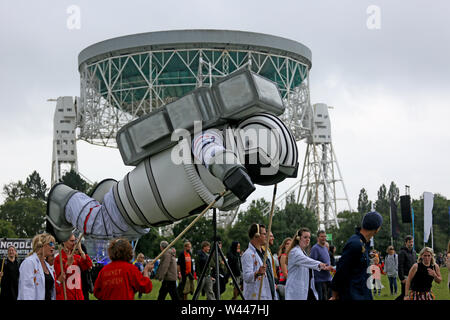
(215, 251)
(216, 255)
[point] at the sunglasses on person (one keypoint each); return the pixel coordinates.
(51, 244)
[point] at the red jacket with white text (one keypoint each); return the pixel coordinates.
(120, 280)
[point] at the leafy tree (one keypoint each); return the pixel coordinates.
(91, 188)
(239, 231)
(364, 205)
(148, 244)
(441, 223)
(201, 231)
(27, 215)
(287, 221)
(23, 212)
(75, 181)
(14, 191)
(394, 193)
(34, 187)
(290, 198)
(7, 229)
(383, 238)
(382, 203)
(348, 222)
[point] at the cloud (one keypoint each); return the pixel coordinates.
(381, 134)
(388, 87)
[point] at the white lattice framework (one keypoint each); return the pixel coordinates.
(319, 184)
(107, 102)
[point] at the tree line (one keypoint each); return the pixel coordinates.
(22, 215)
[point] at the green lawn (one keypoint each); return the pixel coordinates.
(440, 290)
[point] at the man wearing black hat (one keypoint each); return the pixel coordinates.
(350, 280)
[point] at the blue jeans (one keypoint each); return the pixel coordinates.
(393, 284)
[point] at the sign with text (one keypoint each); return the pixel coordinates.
(23, 246)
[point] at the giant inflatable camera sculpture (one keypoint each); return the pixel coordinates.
(226, 137)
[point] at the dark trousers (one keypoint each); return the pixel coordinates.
(323, 289)
(402, 295)
(311, 296)
(85, 294)
(168, 287)
(180, 287)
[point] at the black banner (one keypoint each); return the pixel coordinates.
(23, 246)
(395, 230)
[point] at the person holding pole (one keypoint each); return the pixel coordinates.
(269, 237)
(9, 275)
(36, 281)
(253, 269)
(72, 265)
(271, 258)
(300, 284)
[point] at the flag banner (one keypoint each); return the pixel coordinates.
(395, 229)
(428, 199)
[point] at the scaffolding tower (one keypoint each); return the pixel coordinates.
(321, 185)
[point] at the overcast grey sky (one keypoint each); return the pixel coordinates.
(389, 86)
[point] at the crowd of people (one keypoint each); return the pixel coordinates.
(297, 271)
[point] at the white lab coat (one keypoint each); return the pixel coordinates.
(251, 262)
(32, 279)
(298, 275)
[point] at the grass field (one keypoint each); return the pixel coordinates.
(440, 290)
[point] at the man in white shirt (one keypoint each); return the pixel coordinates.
(253, 270)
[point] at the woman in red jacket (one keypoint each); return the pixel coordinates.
(72, 264)
(120, 280)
